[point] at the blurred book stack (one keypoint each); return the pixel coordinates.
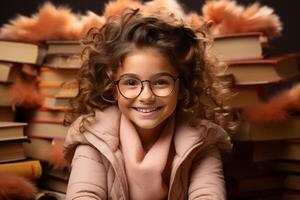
(57, 85)
(7, 73)
(29, 154)
(13, 159)
(265, 155)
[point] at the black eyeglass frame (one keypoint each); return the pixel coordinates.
(175, 78)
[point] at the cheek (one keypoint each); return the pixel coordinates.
(173, 100)
(123, 103)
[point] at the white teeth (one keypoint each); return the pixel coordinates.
(146, 110)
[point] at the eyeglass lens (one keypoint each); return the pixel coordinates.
(161, 86)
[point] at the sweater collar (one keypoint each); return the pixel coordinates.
(105, 125)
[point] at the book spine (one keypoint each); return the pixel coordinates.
(47, 121)
(29, 169)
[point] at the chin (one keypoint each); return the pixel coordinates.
(146, 125)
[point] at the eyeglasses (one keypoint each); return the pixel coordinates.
(161, 85)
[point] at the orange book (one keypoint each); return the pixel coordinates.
(31, 169)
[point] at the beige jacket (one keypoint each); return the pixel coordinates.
(98, 168)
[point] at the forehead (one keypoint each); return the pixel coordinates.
(145, 63)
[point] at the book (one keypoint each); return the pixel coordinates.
(67, 89)
(290, 195)
(64, 47)
(46, 130)
(5, 99)
(7, 72)
(239, 164)
(53, 183)
(244, 96)
(268, 70)
(274, 194)
(238, 46)
(11, 130)
(54, 91)
(22, 52)
(56, 76)
(292, 182)
(7, 114)
(12, 149)
(284, 166)
(56, 103)
(278, 130)
(46, 115)
(38, 148)
(30, 169)
(285, 150)
(255, 184)
(61, 173)
(63, 61)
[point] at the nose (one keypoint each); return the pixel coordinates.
(146, 93)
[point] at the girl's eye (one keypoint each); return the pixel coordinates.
(161, 82)
(130, 82)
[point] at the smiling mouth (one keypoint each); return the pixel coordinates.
(147, 110)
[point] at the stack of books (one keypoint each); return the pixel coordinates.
(57, 85)
(58, 74)
(58, 63)
(7, 73)
(13, 54)
(12, 153)
(258, 168)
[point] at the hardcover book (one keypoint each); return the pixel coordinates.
(268, 70)
(11, 130)
(22, 52)
(238, 46)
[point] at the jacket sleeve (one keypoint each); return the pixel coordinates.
(206, 178)
(88, 175)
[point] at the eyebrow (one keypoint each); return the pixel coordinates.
(155, 75)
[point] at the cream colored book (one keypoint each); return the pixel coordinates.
(11, 130)
(22, 52)
(238, 46)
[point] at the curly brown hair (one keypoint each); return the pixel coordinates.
(185, 48)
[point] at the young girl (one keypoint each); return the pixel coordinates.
(144, 133)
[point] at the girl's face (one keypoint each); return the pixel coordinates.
(147, 111)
